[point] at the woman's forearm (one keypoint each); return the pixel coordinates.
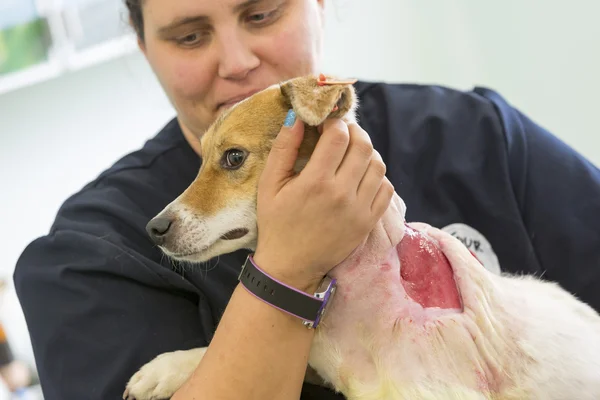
(258, 352)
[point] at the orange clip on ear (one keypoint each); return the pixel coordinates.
(323, 81)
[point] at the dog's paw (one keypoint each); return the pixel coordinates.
(163, 376)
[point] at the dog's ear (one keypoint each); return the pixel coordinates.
(315, 99)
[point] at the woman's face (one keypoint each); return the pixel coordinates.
(209, 54)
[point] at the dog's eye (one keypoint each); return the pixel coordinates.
(233, 159)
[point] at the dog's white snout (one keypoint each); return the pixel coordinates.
(179, 232)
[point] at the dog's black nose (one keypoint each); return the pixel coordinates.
(158, 229)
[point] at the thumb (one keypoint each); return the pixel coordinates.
(284, 151)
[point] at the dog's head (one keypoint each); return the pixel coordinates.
(216, 214)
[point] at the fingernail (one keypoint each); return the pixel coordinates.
(290, 118)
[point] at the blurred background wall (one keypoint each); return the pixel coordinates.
(59, 128)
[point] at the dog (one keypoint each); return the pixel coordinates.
(471, 334)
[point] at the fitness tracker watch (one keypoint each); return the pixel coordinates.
(310, 309)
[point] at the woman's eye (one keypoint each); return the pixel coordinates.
(262, 18)
(233, 159)
(191, 39)
(258, 17)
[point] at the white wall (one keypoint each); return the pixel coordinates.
(54, 138)
(543, 56)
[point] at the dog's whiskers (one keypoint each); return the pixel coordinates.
(212, 267)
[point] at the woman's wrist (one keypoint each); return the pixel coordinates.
(287, 272)
(267, 345)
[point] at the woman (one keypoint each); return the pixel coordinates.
(100, 300)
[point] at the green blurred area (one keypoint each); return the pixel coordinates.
(23, 45)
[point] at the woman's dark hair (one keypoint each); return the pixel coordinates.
(135, 16)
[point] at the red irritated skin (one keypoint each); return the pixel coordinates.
(401, 321)
(426, 273)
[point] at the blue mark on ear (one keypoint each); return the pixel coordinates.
(290, 119)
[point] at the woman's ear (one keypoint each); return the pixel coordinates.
(315, 99)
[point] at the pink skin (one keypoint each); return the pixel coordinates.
(416, 291)
(375, 307)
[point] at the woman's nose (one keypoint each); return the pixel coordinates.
(236, 57)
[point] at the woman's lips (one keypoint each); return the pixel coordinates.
(234, 100)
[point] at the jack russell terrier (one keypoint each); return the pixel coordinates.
(441, 325)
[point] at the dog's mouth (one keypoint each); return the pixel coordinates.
(235, 234)
(202, 254)
(181, 256)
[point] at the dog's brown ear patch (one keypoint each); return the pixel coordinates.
(314, 99)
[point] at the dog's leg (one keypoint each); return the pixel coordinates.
(164, 375)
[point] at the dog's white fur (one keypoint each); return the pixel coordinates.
(161, 378)
(516, 338)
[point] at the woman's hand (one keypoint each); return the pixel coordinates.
(311, 221)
